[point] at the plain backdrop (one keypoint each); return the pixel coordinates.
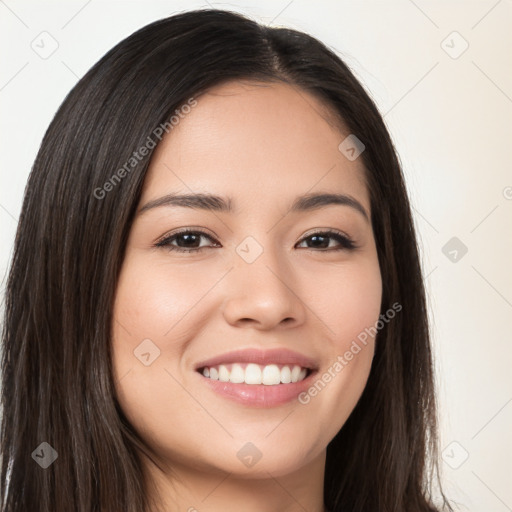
(440, 74)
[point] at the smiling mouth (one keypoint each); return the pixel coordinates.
(254, 374)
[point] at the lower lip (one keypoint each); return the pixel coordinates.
(259, 395)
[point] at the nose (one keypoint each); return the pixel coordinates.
(264, 294)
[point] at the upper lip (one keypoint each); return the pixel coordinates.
(263, 357)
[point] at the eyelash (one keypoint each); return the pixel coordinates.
(345, 242)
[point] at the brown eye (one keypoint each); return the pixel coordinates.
(186, 241)
(322, 239)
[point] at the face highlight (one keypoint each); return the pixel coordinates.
(272, 249)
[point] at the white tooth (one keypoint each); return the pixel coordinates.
(252, 374)
(271, 375)
(237, 374)
(295, 373)
(223, 373)
(286, 375)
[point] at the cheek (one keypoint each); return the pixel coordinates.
(348, 302)
(151, 299)
(145, 335)
(152, 326)
(347, 299)
(155, 302)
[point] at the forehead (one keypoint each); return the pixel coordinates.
(258, 143)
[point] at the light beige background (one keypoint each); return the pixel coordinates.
(450, 115)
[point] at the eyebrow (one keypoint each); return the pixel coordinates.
(215, 203)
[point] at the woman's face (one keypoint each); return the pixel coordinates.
(261, 281)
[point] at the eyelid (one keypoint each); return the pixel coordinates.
(179, 231)
(316, 231)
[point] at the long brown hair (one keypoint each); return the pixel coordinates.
(57, 383)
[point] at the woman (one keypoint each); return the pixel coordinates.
(215, 300)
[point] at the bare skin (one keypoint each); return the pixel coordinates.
(262, 145)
